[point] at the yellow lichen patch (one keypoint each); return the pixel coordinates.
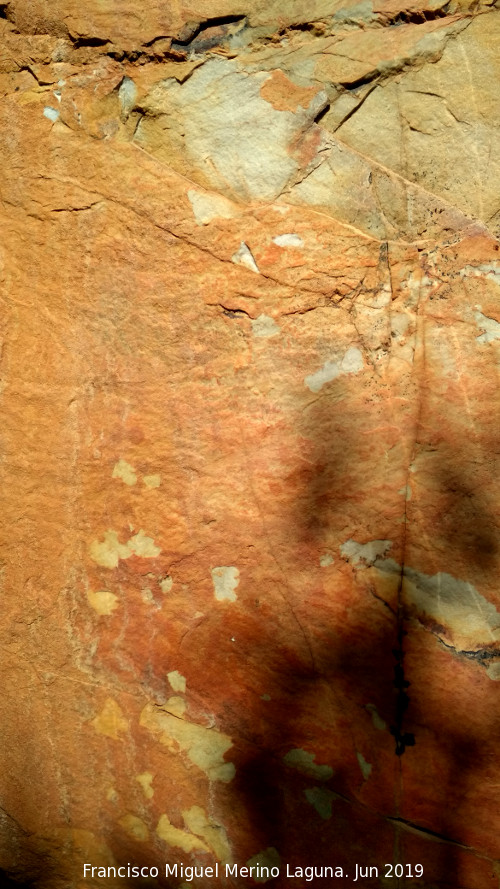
(152, 481)
(145, 779)
(176, 705)
(135, 827)
(177, 681)
(204, 747)
(102, 601)
(110, 721)
(111, 795)
(284, 95)
(176, 837)
(214, 834)
(125, 472)
(108, 552)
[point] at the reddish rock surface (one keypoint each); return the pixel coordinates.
(250, 324)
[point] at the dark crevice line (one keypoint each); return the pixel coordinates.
(192, 31)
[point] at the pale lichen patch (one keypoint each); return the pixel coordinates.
(360, 554)
(212, 833)
(125, 472)
(102, 601)
(321, 799)
(465, 616)
(366, 767)
(269, 858)
(110, 721)
(165, 583)
(181, 839)
(177, 681)
(135, 827)
(152, 481)
(109, 551)
(225, 580)
(176, 705)
(377, 720)
(325, 560)
(303, 762)
(204, 747)
(145, 779)
(493, 671)
(142, 545)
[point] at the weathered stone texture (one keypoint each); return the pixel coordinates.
(250, 326)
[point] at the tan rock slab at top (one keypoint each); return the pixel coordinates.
(250, 469)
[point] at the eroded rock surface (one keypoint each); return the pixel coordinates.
(249, 274)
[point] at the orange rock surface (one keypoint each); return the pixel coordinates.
(250, 322)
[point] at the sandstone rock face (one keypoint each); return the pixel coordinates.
(250, 329)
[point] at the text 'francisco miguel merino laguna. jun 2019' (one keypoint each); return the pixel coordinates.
(257, 872)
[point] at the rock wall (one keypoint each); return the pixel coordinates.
(250, 325)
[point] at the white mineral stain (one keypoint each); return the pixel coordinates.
(365, 766)
(152, 481)
(288, 240)
(102, 601)
(110, 721)
(263, 325)
(204, 747)
(488, 270)
(145, 779)
(365, 553)
(208, 206)
(135, 827)
(303, 761)
(125, 472)
(351, 363)
(108, 552)
(321, 799)
(225, 581)
(243, 256)
(269, 858)
(51, 113)
(490, 327)
(177, 681)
